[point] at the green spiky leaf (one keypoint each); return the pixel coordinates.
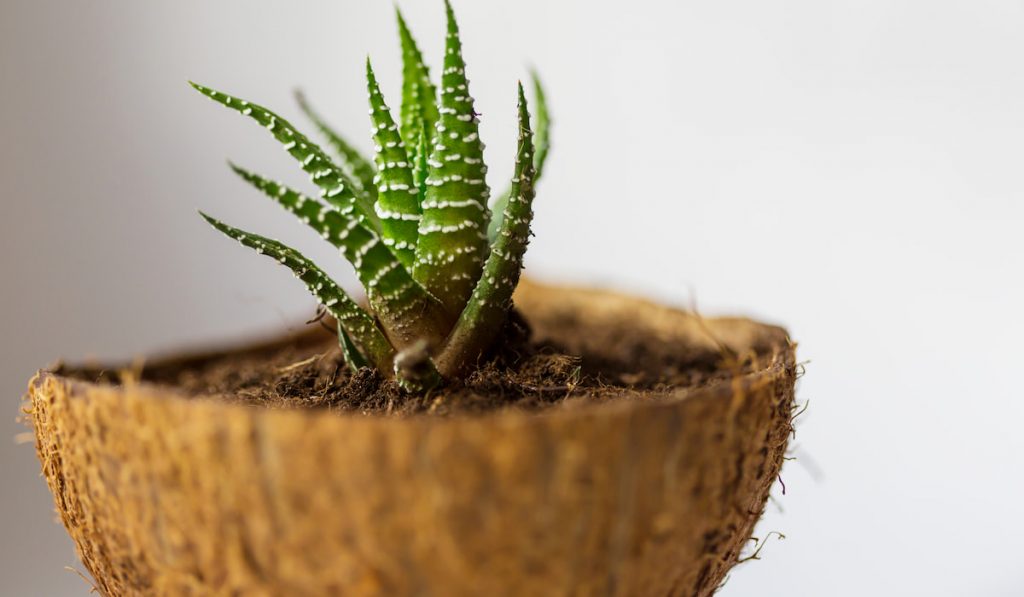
(492, 297)
(543, 126)
(356, 322)
(420, 167)
(414, 223)
(324, 173)
(543, 144)
(402, 305)
(419, 96)
(357, 167)
(349, 351)
(453, 240)
(398, 202)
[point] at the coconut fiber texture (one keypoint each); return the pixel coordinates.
(170, 494)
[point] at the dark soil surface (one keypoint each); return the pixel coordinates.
(526, 372)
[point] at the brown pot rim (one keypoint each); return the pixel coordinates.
(782, 356)
(653, 400)
(669, 488)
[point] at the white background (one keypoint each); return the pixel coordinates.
(851, 170)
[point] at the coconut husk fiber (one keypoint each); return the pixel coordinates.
(652, 492)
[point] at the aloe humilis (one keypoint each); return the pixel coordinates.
(439, 265)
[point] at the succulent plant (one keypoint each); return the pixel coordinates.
(439, 265)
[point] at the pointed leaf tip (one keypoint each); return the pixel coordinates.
(452, 240)
(419, 96)
(542, 143)
(398, 204)
(453, 25)
(203, 89)
(360, 326)
(212, 221)
(336, 186)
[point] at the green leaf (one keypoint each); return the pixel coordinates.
(349, 351)
(350, 315)
(543, 134)
(398, 202)
(420, 167)
(488, 307)
(325, 174)
(357, 167)
(405, 309)
(543, 138)
(452, 242)
(419, 96)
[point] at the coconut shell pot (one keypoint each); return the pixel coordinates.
(621, 490)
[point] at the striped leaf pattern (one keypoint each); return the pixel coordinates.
(359, 325)
(398, 203)
(324, 173)
(358, 168)
(419, 96)
(420, 167)
(453, 240)
(404, 308)
(483, 316)
(543, 144)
